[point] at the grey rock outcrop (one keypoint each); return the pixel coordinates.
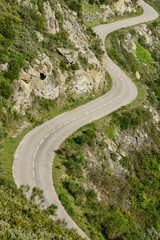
(70, 55)
(77, 36)
(151, 40)
(37, 80)
(3, 67)
(52, 23)
(118, 7)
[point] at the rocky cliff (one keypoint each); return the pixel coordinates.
(72, 77)
(57, 56)
(112, 8)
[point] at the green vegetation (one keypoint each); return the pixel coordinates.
(133, 206)
(155, 4)
(146, 63)
(143, 54)
(95, 7)
(106, 203)
(23, 219)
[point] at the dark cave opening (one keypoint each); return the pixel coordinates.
(42, 76)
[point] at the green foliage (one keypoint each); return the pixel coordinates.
(110, 131)
(75, 189)
(7, 27)
(75, 6)
(66, 203)
(143, 54)
(20, 58)
(132, 119)
(155, 4)
(62, 40)
(63, 65)
(22, 219)
(114, 156)
(6, 88)
(30, 116)
(125, 162)
(13, 70)
(96, 47)
(87, 137)
(51, 210)
(83, 61)
(37, 194)
(90, 32)
(25, 50)
(37, 18)
(45, 104)
(75, 66)
(40, 6)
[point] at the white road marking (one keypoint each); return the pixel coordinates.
(37, 148)
(66, 123)
(34, 178)
(47, 135)
(59, 126)
(73, 119)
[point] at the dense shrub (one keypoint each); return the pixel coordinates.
(63, 65)
(90, 32)
(13, 70)
(23, 219)
(7, 27)
(143, 54)
(75, 66)
(6, 88)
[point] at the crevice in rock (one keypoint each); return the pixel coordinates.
(42, 76)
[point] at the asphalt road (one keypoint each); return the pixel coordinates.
(34, 155)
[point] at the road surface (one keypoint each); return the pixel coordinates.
(35, 153)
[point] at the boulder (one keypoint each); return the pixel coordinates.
(138, 75)
(3, 67)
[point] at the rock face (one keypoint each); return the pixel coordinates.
(151, 40)
(53, 26)
(118, 7)
(71, 56)
(122, 6)
(87, 81)
(38, 79)
(77, 36)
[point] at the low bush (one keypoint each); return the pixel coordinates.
(7, 27)
(6, 89)
(83, 61)
(13, 70)
(143, 54)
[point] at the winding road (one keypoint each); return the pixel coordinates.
(35, 153)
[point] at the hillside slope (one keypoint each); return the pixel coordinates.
(48, 58)
(108, 171)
